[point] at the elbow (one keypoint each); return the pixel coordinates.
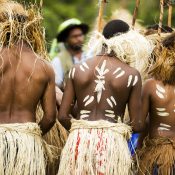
(138, 127)
(65, 121)
(51, 120)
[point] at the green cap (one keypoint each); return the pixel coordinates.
(68, 25)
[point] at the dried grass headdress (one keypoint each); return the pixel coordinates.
(131, 48)
(18, 23)
(164, 67)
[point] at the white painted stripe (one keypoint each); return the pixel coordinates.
(106, 71)
(161, 109)
(109, 111)
(81, 67)
(165, 125)
(103, 66)
(109, 102)
(70, 73)
(135, 80)
(85, 112)
(113, 99)
(110, 115)
(84, 116)
(73, 73)
(86, 98)
(160, 95)
(91, 99)
(121, 74)
(129, 80)
(117, 70)
(85, 65)
(160, 89)
(163, 114)
(163, 129)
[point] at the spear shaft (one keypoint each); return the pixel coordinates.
(135, 13)
(100, 15)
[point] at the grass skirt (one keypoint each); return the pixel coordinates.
(22, 150)
(56, 137)
(157, 157)
(96, 148)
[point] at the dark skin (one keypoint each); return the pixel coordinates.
(25, 83)
(151, 101)
(84, 84)
(74, 42)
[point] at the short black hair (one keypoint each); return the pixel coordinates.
(115, 27)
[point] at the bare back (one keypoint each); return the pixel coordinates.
(103, 86)
(25, 80)
(159, 103)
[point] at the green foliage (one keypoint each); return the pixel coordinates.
(56, 11)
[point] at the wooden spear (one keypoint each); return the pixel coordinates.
(161, 17)
(100, 15)
(170, 10)
(135, 13)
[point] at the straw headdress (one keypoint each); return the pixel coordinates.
(19, 23)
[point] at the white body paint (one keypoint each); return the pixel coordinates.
(100, 82)
(70, 73)
(165, 125)
(73, 73)
(81, 67)
(111, 101)
(160, 91)
(109, 111)
(161, 109)
(85, 65)
(135, 80)
(85, 112)
(86, 98)
(89, 101)
(129, 80)
(163, 129)
(117, 70)
(163, 114)
(110, 115)
(120, 74)
(84, 116)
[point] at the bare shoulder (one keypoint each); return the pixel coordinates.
(149, 83)
(46, 67)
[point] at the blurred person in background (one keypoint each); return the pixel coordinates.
(72, 34)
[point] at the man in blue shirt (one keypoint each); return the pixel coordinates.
(71, 34)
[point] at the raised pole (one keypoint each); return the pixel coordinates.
(100, 15)
(135, 13)
(170, 10)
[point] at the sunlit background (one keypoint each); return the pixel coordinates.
(56, 11)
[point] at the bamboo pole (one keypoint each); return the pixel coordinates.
(100, 15)
(135, 13)
(170, 10)
(161, 17)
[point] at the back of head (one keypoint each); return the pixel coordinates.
(115, 27)
(124, 43)
(164, 67)
(21, 24)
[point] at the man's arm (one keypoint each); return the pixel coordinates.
(48, 103)
(67, 105)
(134, 106)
